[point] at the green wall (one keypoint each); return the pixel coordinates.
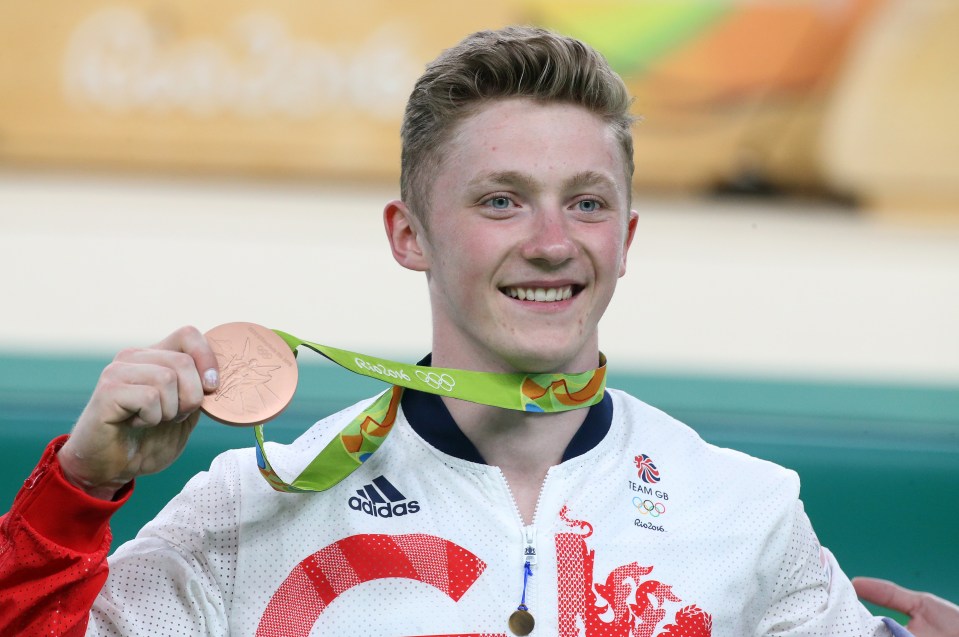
(879, 463)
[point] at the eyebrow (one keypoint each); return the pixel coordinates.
(516, 178)
(505, 178)
(590, 178)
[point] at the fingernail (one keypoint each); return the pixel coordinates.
(211, 378)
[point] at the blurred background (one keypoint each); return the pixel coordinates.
(793, 288)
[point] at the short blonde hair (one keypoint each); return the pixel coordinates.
(526, 62)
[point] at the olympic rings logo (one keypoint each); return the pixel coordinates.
(648, 507)
(444, 382)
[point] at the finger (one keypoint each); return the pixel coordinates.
(191, 342)
(140, 403)
(887, 594)
(164, 379)
(184, 379)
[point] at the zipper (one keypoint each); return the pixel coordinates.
(34, 478)
(521, 621)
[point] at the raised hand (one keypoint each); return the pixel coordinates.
(143, 410)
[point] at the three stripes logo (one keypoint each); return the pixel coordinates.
(382, 500)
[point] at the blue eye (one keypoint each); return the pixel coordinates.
(499, 203)
(588, 205)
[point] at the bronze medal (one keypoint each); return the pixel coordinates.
(521, 622)
(258, 374)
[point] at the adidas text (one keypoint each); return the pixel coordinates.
(385, 510)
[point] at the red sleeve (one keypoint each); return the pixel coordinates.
(53, 553)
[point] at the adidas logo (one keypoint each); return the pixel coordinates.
(382, 500)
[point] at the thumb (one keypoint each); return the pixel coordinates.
(190, 341)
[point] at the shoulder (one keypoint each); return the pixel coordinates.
(675, 445)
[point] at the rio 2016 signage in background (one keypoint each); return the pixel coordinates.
(310, 88)
(318, 88)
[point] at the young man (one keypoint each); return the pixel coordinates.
(470, 519)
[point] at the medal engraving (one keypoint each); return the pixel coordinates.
(258, 375)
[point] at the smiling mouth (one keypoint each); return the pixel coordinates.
(542, 295)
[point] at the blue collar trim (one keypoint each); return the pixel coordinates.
(429, 417)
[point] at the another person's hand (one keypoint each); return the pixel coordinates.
(143, 410)
(930, 616)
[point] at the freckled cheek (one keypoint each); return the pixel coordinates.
(476, 256)
(458, 242)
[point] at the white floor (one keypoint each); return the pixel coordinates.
(96, 263)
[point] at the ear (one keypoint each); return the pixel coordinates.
(406, 236)
(630, 232)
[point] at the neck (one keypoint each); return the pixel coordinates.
(522, 445)
(508, 438)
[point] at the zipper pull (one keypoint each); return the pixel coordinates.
(31, 482)
(521, 622)
(529, 550)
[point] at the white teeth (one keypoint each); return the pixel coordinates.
(541, 295)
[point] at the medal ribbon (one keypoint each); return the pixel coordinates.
(544, 393)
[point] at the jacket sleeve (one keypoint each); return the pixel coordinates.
(53, 548)
(177, 576)
(812, 596)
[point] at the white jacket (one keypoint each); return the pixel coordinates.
(691, 540)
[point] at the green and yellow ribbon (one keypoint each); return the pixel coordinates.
(544, 393)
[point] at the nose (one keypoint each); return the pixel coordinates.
(549, 239)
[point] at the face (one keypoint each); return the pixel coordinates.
(527, 235)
